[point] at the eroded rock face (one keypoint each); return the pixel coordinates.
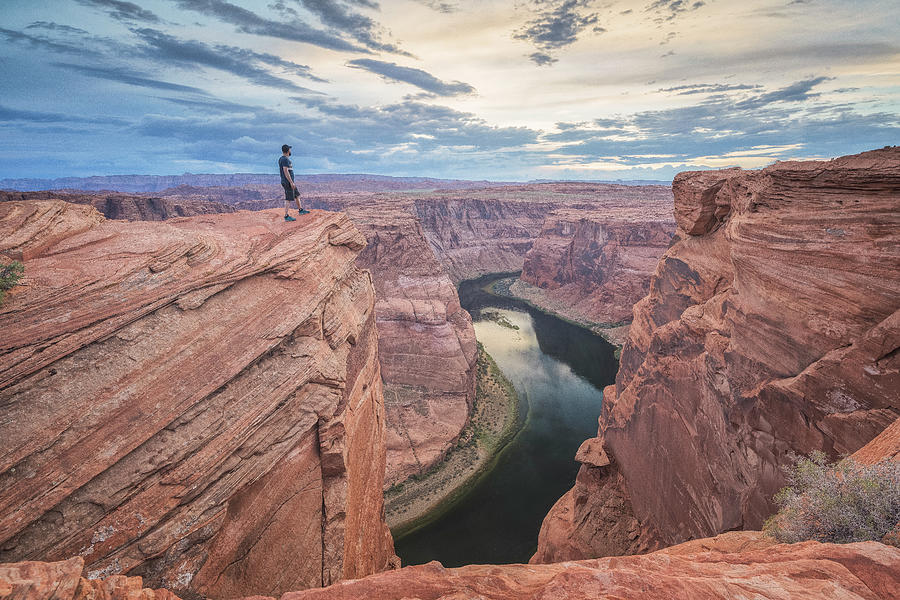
(196, 401)
(593, 265)
(128, 207)
(426, 342)
(63, 581)
(492, 230)
(771, 326)
(737, 565)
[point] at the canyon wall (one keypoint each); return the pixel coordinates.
(771, 327)
(197, 402)
(129, 207)
(592, 265)
(491, 230)
(426, 342)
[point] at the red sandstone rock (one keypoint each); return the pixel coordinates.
(771, 327)
(885, 446)
(63, 581)
(128, 206)
(593, 265)
(426, 342)
(196, 401)
(726, 568)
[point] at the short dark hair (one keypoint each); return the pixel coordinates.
(285, 148)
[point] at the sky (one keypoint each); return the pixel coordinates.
(471, 89)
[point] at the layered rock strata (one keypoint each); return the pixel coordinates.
(592, 265)
(127, 206)
(196, 401)
(771, 327)
(736, 565)
(426, 342)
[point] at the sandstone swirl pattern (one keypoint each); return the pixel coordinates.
(196, 401)
(772, 326)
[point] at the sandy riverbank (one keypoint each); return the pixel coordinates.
(495, 421)
(513, 287)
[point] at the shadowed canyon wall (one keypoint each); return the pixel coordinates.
(196, 401)
(592, 265)
(426, 342)
(771, 327)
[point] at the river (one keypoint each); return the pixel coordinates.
(559, 369)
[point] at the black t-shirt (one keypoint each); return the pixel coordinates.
(283, 162)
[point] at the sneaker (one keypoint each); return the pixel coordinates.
(289, 218)
(303, 211)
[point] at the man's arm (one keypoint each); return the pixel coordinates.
(287, 175)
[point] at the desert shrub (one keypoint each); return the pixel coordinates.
(839, 503)
(10, 275)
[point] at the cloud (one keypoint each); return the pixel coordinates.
(670, 9)
(360, 27)
(542, 58)
(444, 7)
(32, 116)
(559, 24)
(249, 22)
(120, 10)
(727, 126)
(796, 92)
(45, 43)
(237, 61)
(417, 77)
(708, 88)
(128, 76)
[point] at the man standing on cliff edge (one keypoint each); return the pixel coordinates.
(286, 170)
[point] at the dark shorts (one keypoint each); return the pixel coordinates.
(289, 193)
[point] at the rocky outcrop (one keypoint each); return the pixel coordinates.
(885, 446)
(592, 265)
(426, 342)
(197, 401)
(128, 207)
(63, 581)
(771, 327)
(737, 565)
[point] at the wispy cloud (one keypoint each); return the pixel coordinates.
(120, 10)
(708, 88)
(557, 24)
(247, 21)
(336, 14)
(237, 61)
(796, 92)
(128, 76)
(439, 5)
(668, 10)
(417, 77)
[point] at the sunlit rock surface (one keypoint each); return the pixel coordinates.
(196, 401)
(734, 565)
(771, 327)
(63, 581)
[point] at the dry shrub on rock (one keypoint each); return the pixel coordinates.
(839, 503)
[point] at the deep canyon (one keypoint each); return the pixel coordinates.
(199, 401)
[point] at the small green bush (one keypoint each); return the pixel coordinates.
(838, 503)
(10, 275)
